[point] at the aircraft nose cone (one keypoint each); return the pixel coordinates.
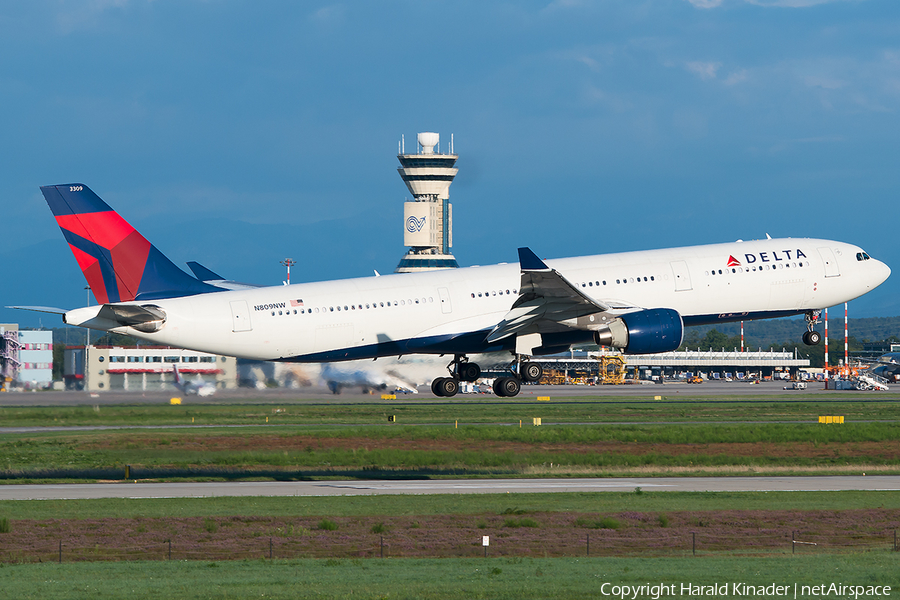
(884, 272)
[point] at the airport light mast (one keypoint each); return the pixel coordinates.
(288, 262)
(428, 219)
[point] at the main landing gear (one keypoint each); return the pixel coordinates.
(508, 386)
(460, 370)
(812, 337)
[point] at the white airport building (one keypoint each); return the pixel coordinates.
(115, 368)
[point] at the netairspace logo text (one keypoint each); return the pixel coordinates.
(744, 590)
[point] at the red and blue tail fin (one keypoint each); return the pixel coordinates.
(118, 262)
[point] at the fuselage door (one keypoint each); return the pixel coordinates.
(444, 293)
(240, 316)
(682, 276)
(831, 266)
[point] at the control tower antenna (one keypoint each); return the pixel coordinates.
(428, 219)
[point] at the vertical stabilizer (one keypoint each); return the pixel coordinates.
(118, 262)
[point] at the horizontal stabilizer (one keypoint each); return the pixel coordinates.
(212, 278)
(43, 309)
(146, 318)
(202, 273)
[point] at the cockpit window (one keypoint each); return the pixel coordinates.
(862, 256)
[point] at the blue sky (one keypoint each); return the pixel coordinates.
(240, 133)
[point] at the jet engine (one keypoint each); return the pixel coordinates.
(642, 332)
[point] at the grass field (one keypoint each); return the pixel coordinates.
(445, 504)
(290, 452)
(495, 578)
(577, 438)
(605, 409)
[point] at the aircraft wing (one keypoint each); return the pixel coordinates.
(546, 299)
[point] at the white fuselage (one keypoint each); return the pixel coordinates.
(423, 312)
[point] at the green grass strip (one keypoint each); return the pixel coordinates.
(601, 409)
(446, 579)
(339, 506)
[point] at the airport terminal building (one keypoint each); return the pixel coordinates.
(26, 357)
(115, 368)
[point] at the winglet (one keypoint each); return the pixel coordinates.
(529, 261)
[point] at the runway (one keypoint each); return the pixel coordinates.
(457, 486)
(720, 391)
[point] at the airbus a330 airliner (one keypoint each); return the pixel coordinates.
(638, 302)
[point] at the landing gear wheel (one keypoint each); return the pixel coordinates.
(448, 387)
(435, 386)
(812, 338)
(469, 372)
(506, 387)
(531, 372)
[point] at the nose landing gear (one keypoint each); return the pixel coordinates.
(812, 337)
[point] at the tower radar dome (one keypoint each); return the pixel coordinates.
(428, 141)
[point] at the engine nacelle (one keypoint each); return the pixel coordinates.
(643, 332)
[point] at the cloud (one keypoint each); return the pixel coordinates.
(824, 82)
(792, 144)
(704, 70)
(790, 3)
(706, 3)
(766, 3)
(736, 77)
(328, 14)
(85, 15)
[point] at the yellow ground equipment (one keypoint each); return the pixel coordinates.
(612, 369)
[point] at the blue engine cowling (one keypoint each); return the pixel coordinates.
(652, 331)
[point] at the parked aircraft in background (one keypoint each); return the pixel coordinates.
(339, 376)
(638, 302)
(887, 366)
(198, 387)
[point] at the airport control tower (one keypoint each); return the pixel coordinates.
(428, 220)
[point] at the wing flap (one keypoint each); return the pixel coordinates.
(546, 299)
